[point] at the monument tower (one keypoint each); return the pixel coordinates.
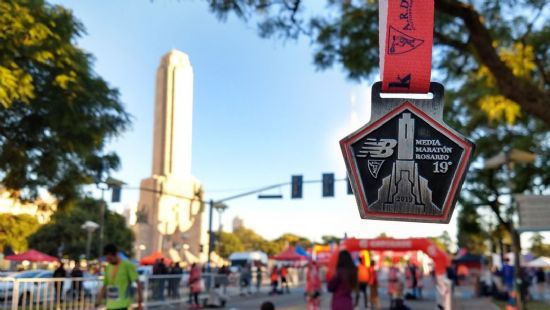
(169, 215)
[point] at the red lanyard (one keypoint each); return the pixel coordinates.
(406, 38)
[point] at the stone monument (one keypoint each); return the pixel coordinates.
(169, 216)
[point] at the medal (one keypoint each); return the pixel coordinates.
(406, 164)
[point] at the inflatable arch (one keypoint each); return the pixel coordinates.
(440, 258)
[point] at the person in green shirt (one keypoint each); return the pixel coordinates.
(117, 281)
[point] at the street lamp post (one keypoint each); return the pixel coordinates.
(89, 227)
(220, 208)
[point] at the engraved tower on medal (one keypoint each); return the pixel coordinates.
(405, 190)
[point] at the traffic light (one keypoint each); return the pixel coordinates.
(115, 195)
(328, 184)
(296, 187)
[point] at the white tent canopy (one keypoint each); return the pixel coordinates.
(540, 262)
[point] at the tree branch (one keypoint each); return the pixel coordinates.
(494, 205)
(445, 40)
(532, 99)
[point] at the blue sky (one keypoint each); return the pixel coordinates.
(262, 112)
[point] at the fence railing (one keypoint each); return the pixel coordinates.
(48, 293)
(157, 290)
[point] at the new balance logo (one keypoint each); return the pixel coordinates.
(381, 148)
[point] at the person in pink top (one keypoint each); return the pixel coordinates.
(195, 285)
(343, 283)
(313, 286)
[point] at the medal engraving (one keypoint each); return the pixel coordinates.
(406, 164)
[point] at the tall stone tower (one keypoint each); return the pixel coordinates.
(169, 216)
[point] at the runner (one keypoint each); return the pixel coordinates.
(274, 280)
(363, 277)
(373, 283)
(117, 282)
(284, 279)
(313, 286)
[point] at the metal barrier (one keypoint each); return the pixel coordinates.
(49, 293)
(157, 290)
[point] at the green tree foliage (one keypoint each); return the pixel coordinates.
(65, 229)
(15, 229)
(245, 239)
(293, 240)
(56, 113)
(493, 57)
(538, 246)
(328, 239)
(471, 234)
(444, 242)
(228, 243)
(508, 41)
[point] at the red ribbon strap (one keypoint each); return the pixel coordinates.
(406, 38)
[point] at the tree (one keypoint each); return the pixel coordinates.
(471, 234)
(493, 57)
(443, 242)
(56, 114)
(293, 240)
(228, 243)
(328, 239)
(15, 229)
(469, 36)
(64, 231)
(538, 247)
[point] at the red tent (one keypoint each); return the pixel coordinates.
(32, 256)
(289, 255)
(152, 259)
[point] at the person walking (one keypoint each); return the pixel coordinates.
(313, 286)
(508, 276)
(258, 278)
(541, 282)
(195, 285)
(393, 284)
(77, 283)
(411, 279)
(419, 281)
(175, 280)
(363, 278)
(343, 283)
(284, 279)
(274, 280)
(60, 274)
(223, 275)
(373, 284)
(117, 282)
(245, 278)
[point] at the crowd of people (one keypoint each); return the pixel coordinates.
(361, 279)
(500, 283)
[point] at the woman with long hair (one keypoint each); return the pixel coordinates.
(343, 283)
